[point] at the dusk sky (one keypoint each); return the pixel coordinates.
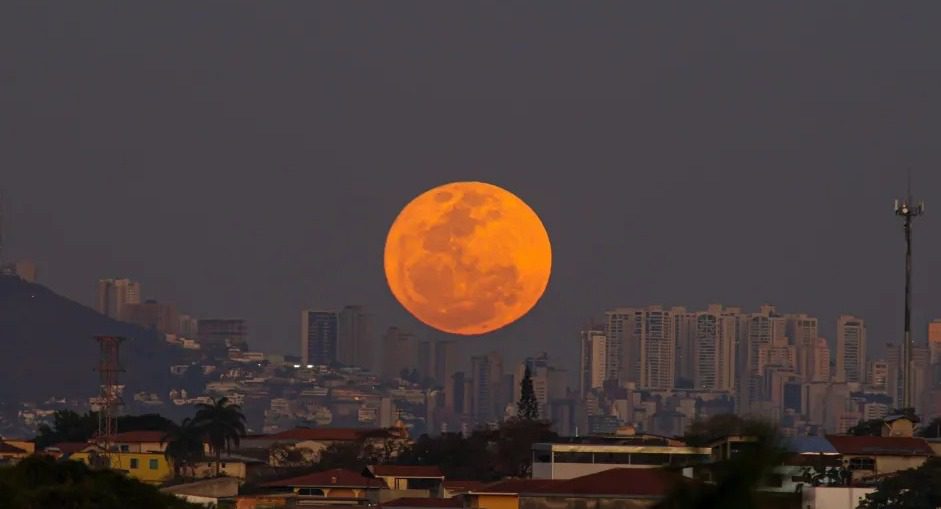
(248, 162)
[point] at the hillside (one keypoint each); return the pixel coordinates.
(47, 347)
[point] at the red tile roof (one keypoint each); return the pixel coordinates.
(633, 482)
(462, 486)
(406, 471)
(10, 449)
(336, 434)
(338, 477)
(67, 448)
(880, 446)
(138, 437)
(425, 502)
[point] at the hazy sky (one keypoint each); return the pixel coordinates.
(247, 158)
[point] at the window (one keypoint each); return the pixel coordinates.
(153, 464)
(862, 464)
(134, 463)
(613, 458)
(573, 457)
(542, 456)
(642, 458)
(124, 448)
(310, 492)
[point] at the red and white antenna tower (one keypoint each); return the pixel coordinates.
(109, 367)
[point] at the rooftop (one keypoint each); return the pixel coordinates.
(885, 446)
(9, 449)
(337, 434)
(633, 482)
(138, 437)
(424, 502)
(338, 477)
(420, 471)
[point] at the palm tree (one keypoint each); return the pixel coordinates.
(184, 444)
(222, 423)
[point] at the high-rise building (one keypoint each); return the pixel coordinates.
(113, 294)
(446, 360)
(222, 332)
(399, 352)
(425, 363)
(26, 270)
(684, 346)
(188, 326)
(757, 332)
(879, 375)
(820, 369)
(540, 374)
(319, 337)
(934, 341)
(487, 374)
(354, 337)
(850, 349)
(713, 333)
(615, 322)
(893, 360)
(646, 345)
(152, 315)
(593, 367)
(802, 332)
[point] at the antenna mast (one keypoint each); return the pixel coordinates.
(109, 399)
(908, 211)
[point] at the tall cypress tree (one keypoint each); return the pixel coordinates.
(527, 408)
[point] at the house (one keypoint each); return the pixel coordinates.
(452, 488)
(139, 441)
(304, 445)
(66, 449)
(231, 465)
(424, 503)
(410, 480)
(148, 467)
(869, 457)
(579, 456)
(206, 491)
(337, 486)
(618, 487)
(10, 453)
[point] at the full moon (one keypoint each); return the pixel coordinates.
(468, 258)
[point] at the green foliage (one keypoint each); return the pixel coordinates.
(703, 431)
(734, 482)
(910, 489)
(184, 444)
(222, 424)
(40, 482)
(69, 426)
(527, 407)
(872, 427)
(485, 455)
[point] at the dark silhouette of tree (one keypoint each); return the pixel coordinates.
(514, 441)
(872, 427)
(735, 481)
(909, 489)
(41, 482)
(932, 429)
(223, 425)
(70, 426)
(527, 407)
(184, 444)
(703, 431)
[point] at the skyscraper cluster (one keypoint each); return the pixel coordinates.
(775, 365)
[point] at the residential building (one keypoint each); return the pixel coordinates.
(578, 456)
(113, 294)
(338, 486)
(222, 332)
(934, 341)
(319, 334)
(593, 368)
(850, 349)
(870, 458)
(487, 375)
(446, 360)
(820, 358)
(713, 333)
(152, 315)
(802, 333)
(399, 352)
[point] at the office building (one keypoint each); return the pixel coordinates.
(850, 349)
(319, 337)
(113, 294)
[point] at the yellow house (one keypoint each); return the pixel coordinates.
(149, 467)
(15, 450)
(870, 457)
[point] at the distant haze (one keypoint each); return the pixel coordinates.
(246, 159)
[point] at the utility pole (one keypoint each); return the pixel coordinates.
(908, 211)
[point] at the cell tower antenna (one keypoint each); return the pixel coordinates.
(908, 210)
(109, 399)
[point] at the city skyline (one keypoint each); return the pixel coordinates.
(288, 207)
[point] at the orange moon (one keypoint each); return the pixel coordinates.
(468, 258)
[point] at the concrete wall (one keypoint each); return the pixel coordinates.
(573, 470)
(833, 498)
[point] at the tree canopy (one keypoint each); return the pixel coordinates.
(41, 482)
(527, 407)
(910, 489)
(70, 426)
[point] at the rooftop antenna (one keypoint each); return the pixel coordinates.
(908, 211)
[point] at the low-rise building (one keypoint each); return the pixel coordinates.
(332, 486)
(869, 457)
(575, 457)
